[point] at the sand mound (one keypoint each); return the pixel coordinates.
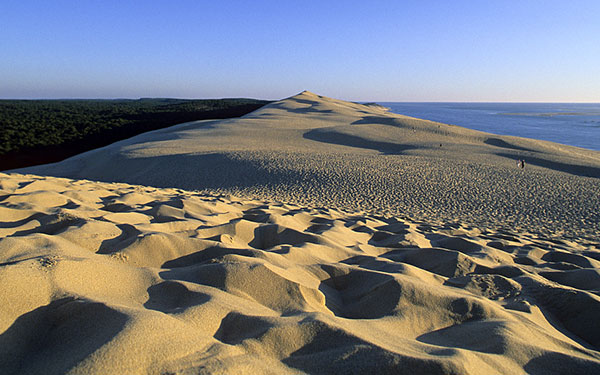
(318, 151)
(116, 278)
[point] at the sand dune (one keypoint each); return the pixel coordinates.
(311, 236)
(116, 278)
(318, 151)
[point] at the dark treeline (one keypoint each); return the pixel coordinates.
(36, 132)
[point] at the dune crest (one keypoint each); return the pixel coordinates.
(117, 278)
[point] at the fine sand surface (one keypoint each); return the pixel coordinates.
(311, 236)
(113, 278)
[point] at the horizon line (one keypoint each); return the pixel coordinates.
(357, 101)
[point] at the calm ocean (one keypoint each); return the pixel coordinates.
(570, 124)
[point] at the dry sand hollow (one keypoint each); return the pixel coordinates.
(114, 278)
(359, 242)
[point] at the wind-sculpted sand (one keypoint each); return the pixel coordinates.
(312, 236)
(114, 278)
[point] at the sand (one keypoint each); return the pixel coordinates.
(317, 151)
(311, 236)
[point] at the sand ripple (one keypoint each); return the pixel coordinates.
(116, 278)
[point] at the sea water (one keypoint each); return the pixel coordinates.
(567, 123)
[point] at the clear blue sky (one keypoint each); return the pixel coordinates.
(446, 50)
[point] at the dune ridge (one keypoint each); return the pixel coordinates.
(311, 236)
(318, 151)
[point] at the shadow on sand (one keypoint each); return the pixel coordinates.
(574, 169)
(198, 171)
(312, 109)
(378, 120)
(333, 137)
(500, 143)
(75, 328)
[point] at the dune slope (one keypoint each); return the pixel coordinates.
(314, 150)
